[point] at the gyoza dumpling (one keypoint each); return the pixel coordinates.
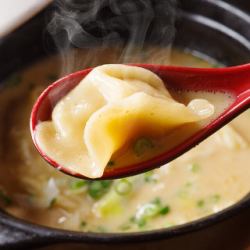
(138, 115)
(104, 84)
(110, 106)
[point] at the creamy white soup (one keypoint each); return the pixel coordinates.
(205, 180)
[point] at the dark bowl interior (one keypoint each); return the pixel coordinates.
(212, 28)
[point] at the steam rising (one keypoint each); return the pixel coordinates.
(100, 27)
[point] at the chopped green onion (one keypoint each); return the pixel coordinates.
(78, 184)
(83, 224)
(5, 198)
(149, 211)
(149, 177)
(132, 219)
(111, 204)
(216, 198)
(142, 145)
(164, 210)
(96, 189)
(101, 229)
(156, 201)
(195, 167)
(123, 187)
(188, 184)
(125, 227)
(200, 203)
(141, 223)
(169, 224)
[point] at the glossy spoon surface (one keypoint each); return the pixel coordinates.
(233, 80)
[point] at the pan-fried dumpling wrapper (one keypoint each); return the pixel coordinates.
(112, 105)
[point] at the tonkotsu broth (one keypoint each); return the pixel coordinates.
(210, 177)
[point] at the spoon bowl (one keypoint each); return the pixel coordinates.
(232, 80)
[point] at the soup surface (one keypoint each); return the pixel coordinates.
(205, 180)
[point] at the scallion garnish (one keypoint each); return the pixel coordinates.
(215, 198)
(142, 222)
(149, 211)
(78, 184)
(125, 227)
(169, 224)
(142, 145)
(101, 229)
(123, 187)
(96, 189)
(149, 177)
(156, 201)
(164, 210)
(83, 224)
(200, 203)
(194, 167)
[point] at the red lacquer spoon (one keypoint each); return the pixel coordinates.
(233, 80)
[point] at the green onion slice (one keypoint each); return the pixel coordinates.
(78, 184)
(142, 145)
(96, 189)
(123, 187)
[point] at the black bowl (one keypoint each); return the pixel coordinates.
(217, 29)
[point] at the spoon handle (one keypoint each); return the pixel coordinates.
(240, 78)
(234, 79)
